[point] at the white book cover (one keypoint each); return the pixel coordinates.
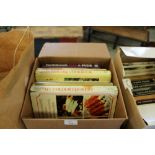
(147, 112)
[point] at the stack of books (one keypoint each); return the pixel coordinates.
(140, 79)
(73, 91)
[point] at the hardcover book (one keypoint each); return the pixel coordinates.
(71, 66)
(73, 101)
(72, 74)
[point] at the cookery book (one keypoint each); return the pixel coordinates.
(74, 83)
(72, 66)
(72, 74)
(73, 101)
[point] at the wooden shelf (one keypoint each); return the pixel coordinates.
(127, 32)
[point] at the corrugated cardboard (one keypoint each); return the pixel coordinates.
(74, 53)
(131, 54)
(55, 31)
(13, 86)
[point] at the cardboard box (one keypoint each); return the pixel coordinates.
(132, 54)
(74, 53)
(43, 34)
(17, 66)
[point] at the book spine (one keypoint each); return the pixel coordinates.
(143, 91)
(72, 83)
(71, 66)
(139, 73)
(139, 63)
(101, 75)
(147, 101)
(141, 82)
(143, 86)
(74, 90)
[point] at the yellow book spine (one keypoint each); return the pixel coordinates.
(70, 74)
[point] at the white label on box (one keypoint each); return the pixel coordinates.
(70, 122)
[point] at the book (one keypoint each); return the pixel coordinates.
(144, 91)
(147, 112)
(72, 83)
(138, 69)
(73, 101)
(139, 85)
(145, 101)
(71, 66)
(139, 72)
(72, 74)
(145, 97)
(137, 64)
(143, 82)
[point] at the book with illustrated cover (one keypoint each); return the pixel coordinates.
(72, 74)
(73, 101)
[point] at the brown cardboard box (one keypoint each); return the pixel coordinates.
(132, 54)
(17, 67)
(74, 53)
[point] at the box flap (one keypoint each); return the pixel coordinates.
(75, 50)
(139, 52)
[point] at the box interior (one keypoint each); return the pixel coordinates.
(135, 119)
(120, 111)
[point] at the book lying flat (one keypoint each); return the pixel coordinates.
(145, 101)
(137, 64)
(139, 85)
(144, 91)
(73, 101)
(139, 72)
(145, 97)
(147, 112)
(72, 74)
(138, 69)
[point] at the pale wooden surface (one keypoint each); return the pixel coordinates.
(131, 33)
(56, 31)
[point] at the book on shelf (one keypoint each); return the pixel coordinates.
(72, 74)
(73, 101)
